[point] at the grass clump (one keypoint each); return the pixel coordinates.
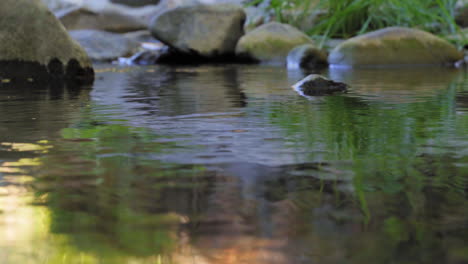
(346, 18)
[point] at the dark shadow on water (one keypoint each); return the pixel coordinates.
(45, 106)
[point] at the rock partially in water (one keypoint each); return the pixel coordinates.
(314, 85)
(394, 46)
(35, 46)
(202, 30)
(144, 57)
(271, 43)
(105, 46)
(81, 18)
(307, 56)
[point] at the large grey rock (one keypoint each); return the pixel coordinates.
(141, 36)
(105, 46)
(271, 43)
(104, 14)
(394, 46)
(81, 18)
(206, 30)
(314, 85)
(31, 35)
(306, 56)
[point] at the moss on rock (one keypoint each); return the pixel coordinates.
(394, 46)
(271, 43)
(30, 33)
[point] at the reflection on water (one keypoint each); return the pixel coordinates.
(227, 164)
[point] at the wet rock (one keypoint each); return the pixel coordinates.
(394, 46)
(105, 46)
(271, 43)
(306, 56)
(144, 57)
(81, 18)
(314, 85)
(35, 46)
(204, 30)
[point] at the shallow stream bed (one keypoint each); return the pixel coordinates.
(228, 164)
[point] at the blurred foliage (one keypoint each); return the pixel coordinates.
(346, 18)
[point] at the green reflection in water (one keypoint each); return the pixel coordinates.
(112, 202)
(409, 163)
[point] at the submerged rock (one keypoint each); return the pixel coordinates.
(202, 30)
(35, 46)
(271, 43)
(306, 56)
(315, 84)
(394, 46)
(105, 46)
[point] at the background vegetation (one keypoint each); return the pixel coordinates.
(346, 18)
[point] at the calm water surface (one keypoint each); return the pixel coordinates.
(227, 164)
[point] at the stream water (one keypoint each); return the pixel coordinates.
(228, 164)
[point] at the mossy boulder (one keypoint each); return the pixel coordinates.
(270, 43)
(394, 46)
(34, 44)
(204, 30)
